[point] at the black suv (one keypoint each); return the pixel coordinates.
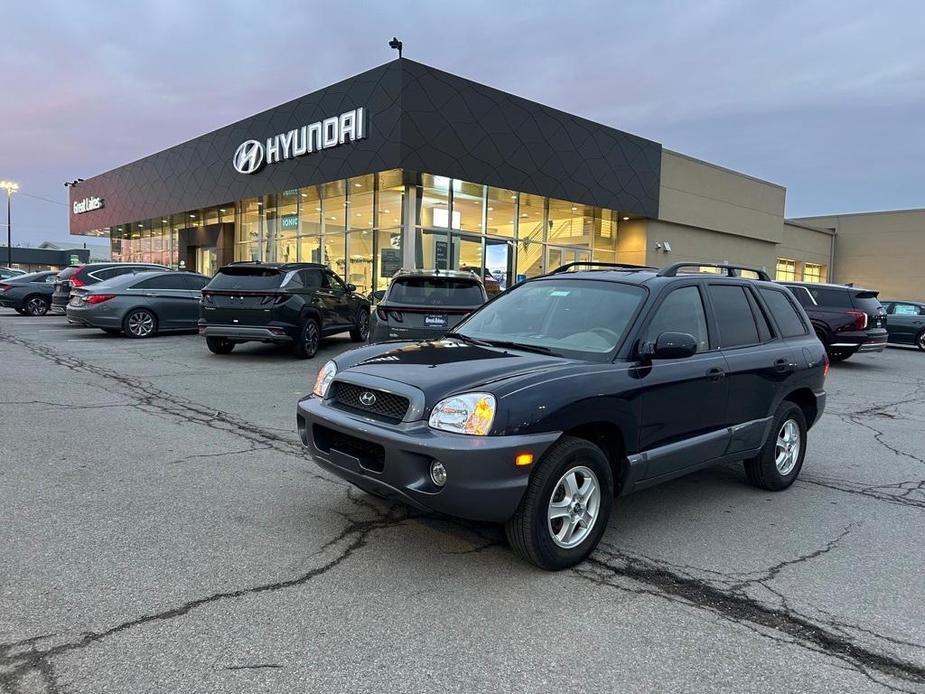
(295, 303)
(569, 389)
(846, 319)
(91, 273)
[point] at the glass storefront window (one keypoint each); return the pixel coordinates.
(360, 198)
(532, 217)
(468, 205)
(388, 256)
(309, 211)
(360, 252)
(434, 202)
(604, 236)
(501, 215)
(310, 249)
(570, 224)
(391, 198)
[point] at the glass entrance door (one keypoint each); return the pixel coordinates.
(206, 260)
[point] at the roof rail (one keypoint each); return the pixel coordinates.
(731, 270)
(594, 263)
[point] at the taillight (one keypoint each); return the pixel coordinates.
(77, 282)
(98, 298)
(825, 361)
(274, 299)
(382, 314)
(860, 319)
(5, 287)
(207, 297)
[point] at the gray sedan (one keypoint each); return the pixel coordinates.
(29, 294)
(139, 305)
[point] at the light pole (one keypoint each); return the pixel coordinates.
(10, 187)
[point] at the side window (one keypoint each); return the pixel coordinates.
(785, 313)
(194, 282)
(293, 280)
(106, 273)
(802, 294)
(834, 298)
(336, 282)
(311, 278)
(681, 312)
(904, 310)
(171, 281)
(733, 315)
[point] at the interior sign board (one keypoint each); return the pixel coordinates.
(253, 155)
(87, 205)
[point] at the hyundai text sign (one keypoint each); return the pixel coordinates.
(251, 155)
(88, 205)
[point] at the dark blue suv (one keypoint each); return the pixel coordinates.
(570, 389)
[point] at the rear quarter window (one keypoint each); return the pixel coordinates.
(831, 298)
(785, 314)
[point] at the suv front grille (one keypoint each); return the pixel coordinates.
(369, 400)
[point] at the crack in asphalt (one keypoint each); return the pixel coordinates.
(737, 607)
(257, 666)
(19, 659)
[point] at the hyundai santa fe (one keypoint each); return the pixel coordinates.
(571, 389)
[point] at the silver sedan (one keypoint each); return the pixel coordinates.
(139, 305)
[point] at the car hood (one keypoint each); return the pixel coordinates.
(462, 365)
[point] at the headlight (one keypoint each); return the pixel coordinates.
(323, 381)
(469, 413)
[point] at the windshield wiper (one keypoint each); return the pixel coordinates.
(519, 345)
(466, 338)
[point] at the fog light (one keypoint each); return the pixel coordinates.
(438, 473)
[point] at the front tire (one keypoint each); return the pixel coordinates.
(360, 331)
(139, 324)
(566, 507)
(36, 306)
(779, 463)
(219, 345)
(308, 341)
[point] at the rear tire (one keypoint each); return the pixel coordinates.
(219, 345)
(920, 340)
(36, 306)
(308, 341)
(565, 509)
(360, 331)
(779, 463)
(139, 323)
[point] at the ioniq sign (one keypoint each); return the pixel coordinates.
(252, 155)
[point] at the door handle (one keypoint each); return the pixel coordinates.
(715, 373)
(783, 366)
(150, 294)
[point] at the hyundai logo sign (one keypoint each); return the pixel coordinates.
(248, 157)
(251, 155)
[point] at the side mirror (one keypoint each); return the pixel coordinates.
(351, 287)
(669, 345)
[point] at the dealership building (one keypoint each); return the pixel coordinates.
(408, 166)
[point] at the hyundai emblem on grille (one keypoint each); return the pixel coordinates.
(367, 399)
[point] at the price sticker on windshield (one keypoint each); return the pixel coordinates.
(559, 292)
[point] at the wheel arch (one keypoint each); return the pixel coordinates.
(609, 437)
(804, 399)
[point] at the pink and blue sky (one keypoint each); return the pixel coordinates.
(824, 97)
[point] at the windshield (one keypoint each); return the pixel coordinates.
(246, 278)
(435, 291)
(572, 318)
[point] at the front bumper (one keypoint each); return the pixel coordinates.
(244, 333)
(483, 484)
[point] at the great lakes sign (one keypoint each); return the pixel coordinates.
(252, 155)
(87, 205)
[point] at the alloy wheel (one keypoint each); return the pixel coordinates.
(921, 341)
(573, 507)
(310, 337)
(37, 306)
(364, 325)
(787, 450)
(141, 324)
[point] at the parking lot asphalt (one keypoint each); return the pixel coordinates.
(162, 530)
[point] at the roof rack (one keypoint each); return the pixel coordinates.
(731, 270)
(594, 263)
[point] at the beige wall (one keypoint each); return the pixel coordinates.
(690, 243)
(880, 250)
(695, 193)
(806, 244)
